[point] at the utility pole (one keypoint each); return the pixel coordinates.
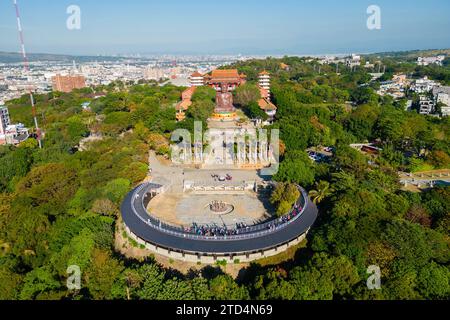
(26, 67)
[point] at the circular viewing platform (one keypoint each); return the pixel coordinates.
(243, 244)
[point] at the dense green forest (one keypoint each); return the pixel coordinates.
(59, 205)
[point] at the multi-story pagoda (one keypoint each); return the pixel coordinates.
(264, 81)
(197, 79)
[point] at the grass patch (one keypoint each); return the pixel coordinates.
(222, 263)
(287, 255)
(423, 168)
(133, 243)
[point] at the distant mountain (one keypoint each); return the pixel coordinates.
(13, 57)
(412, 54)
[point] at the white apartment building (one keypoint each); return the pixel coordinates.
(4, 119)
(425, 61)
(326, 60)
(423, 85)
(11, 134)
(16, 133)
(426, 105)
(442, 95)
(445, 110)
(353, 61)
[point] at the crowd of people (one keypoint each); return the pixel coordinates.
(286, 218)
(240, 228)
(217, 231)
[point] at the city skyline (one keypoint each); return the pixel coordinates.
(258, 27)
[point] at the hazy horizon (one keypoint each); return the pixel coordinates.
(144, 54)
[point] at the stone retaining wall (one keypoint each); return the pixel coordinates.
(199, 257)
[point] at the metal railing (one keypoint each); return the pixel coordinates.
(255, 231)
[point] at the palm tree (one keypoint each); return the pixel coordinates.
(323, 190)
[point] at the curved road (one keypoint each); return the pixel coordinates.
(135, 219)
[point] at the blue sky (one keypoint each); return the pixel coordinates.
(232, 26)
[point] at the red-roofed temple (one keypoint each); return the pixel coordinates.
(224, 82)
(231, 79)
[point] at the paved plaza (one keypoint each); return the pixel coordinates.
(177, 207)
(187, 208)
(174, 177)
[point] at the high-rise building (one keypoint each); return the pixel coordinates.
(426, 105)
(151, 73)
(4, 119)
(68, 83)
